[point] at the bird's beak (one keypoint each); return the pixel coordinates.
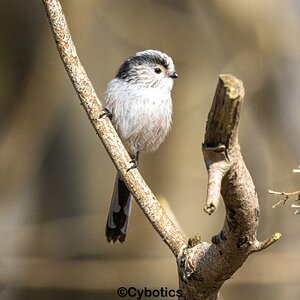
(173, 75)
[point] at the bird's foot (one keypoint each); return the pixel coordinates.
(134, 161)
(106, 113)
(134, 165)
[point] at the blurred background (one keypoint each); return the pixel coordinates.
(56, 179)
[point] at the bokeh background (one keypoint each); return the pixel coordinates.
(56, 178)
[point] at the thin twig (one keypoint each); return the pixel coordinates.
(284, 193)
(259, 246)
(170, 234)
(286, 198)
(297, 211)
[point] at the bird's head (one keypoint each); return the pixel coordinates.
(149, 68)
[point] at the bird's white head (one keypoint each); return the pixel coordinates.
(149, 68)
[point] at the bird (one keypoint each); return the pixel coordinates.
(139, 104)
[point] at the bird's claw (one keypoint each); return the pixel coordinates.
(134, 161)
(134, 165)
(106, 113)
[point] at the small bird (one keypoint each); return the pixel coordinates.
(139, 103)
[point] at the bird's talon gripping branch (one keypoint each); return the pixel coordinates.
(106, 113)
(134, 165)
(134, 162)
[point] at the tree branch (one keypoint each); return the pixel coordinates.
(204, 267)
(170, 234)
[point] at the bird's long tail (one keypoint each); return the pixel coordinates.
(119, 212)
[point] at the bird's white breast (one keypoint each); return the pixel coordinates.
(142, 116)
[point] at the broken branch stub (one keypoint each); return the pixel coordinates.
(221, 137)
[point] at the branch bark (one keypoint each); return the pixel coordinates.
(202, 267)
(205, 266)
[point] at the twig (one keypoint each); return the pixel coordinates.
(259, 246)
(284, 193)
(297, 211)
(287, 195)
(286, 198)
(297, 170)
(170, 234)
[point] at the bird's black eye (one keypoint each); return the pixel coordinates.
(157, 70)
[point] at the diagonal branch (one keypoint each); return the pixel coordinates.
(170, 234)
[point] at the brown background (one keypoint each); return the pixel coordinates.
(56, 178)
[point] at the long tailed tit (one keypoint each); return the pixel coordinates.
(140, 103)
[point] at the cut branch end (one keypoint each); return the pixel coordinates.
(209, 208)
